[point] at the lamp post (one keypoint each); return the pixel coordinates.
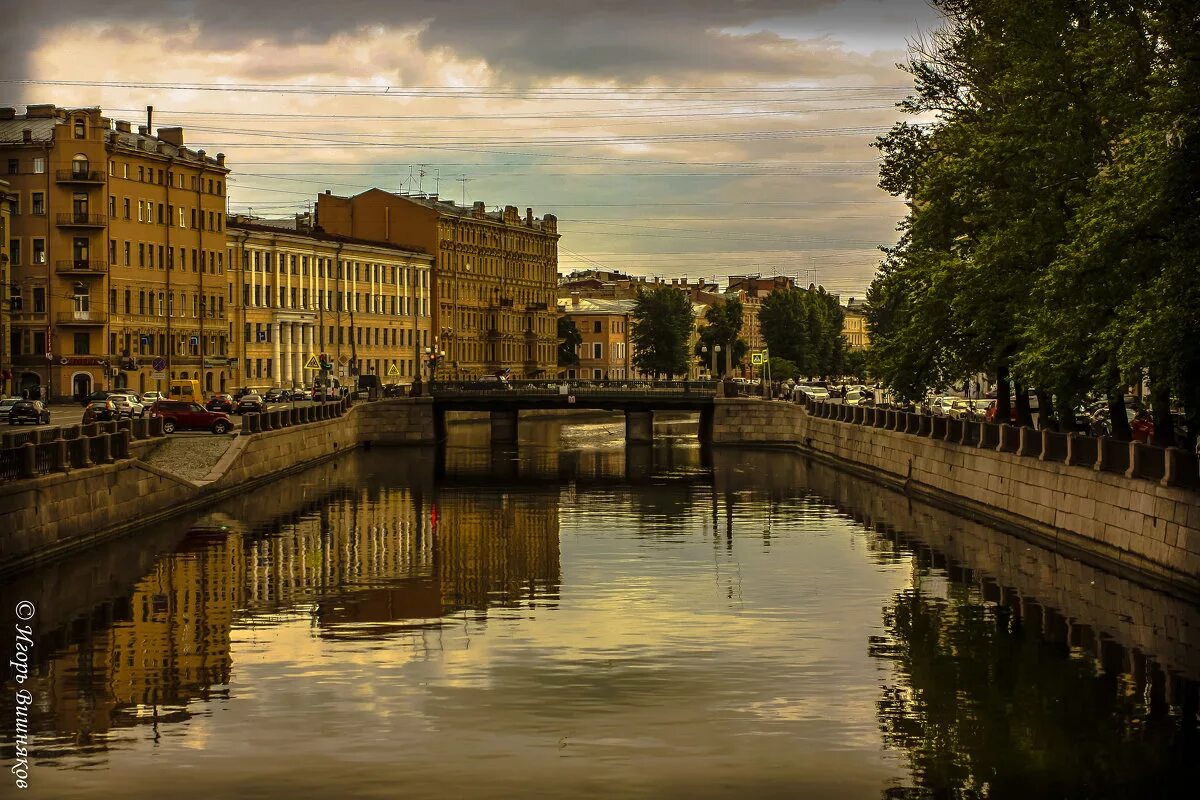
(716, 352)
(704, 352)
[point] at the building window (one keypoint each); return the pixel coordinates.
(79, 164)
(39, 166)
(126, 261)
(83, 342)
(39, 300)
(37, 205)
(39, 251)
(14, 252)
(14, 166)
(80, 297)
(14, 297)
(125, 207)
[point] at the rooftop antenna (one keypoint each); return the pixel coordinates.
(421, 183)
(464, 180)
(437, 182)
(410, 178)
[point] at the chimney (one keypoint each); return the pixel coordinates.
(221, 159)
(8, 113)
(477, 209)
(143, 130)
(27, 135)
(172, 136)
(575, 299)
(328, 192)
(149, 118)
(528, 217)
(44, 111)
(122, 126)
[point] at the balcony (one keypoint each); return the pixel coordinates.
(81, 268)
(535, 306)
(89, 176)
(82, 318)
(82, 220)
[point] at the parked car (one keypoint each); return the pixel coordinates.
(150, 398)
(6, 405)
(393, 390)
(99, 394)
(185, 415)
(128, 405)
(34, 411)
(250, 404)
(220, 402)
(940, 406)
(275, 395)
(300, 393)
(100, 411)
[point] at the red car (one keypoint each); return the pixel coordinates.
(220, 402)
(182, 415)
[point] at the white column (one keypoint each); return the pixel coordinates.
(285, 367)
(278, 369)
(309, 375)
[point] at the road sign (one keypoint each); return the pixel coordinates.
(312, 363)
(158, 376)
(343, 360)
(756, 359)
(393, 371)
(159, 364)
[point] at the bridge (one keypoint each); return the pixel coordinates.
(639, 399)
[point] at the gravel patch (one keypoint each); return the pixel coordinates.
(190, 456)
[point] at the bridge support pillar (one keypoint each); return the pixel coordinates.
(504, 427)
(639, 426)
(706, 424)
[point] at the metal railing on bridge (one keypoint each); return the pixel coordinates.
(546, 388)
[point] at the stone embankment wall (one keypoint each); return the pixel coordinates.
(53, 514)
(1139, 525)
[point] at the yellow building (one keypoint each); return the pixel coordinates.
(302, 293)
(605, 327)
(854, 324)
(495, 275)
(117, 251)
(6, 365)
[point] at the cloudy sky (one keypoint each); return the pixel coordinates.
(673, 137)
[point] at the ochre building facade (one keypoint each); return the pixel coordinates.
(302, 293)
(495, 276)
(116, 252)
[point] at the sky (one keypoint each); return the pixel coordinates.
(701, 138)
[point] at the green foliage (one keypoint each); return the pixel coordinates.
(782, 369)
(662, 325)
(723, 326)
(1053, 217)
(805, 328)
(569, 339)
(854, 364)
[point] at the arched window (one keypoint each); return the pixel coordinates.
(79, 162)
(80, 128)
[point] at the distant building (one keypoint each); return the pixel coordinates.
(854, 325)
(7, 381)
(495, 275)
(752, 290)
(116, 252)
(300, 293)
(606, 326)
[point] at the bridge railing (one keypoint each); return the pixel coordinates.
(574, 387)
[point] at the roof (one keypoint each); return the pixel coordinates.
(321, 236)
(12, 130)
(591, 305)
(450, 208)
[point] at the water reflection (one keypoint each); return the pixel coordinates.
(591, 620)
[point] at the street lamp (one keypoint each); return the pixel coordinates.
(716, 351)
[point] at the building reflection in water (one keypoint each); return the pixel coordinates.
(985, 650)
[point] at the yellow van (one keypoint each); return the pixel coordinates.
(188, 391)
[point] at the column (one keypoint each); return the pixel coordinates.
(278, 368)
(639, 426)
(309, 375)
(285, 364)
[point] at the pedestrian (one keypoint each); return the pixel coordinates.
(89, 415)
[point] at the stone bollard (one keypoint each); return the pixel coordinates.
(1180, 468)
(295, 416)
(124, 424)
(91, 429)
(28, 460)
(140, 428)
(60, 456)
(250, 424)
(120, 441)
(937, 428)
(1029, 442)
(1009, 439)
(156, 426)
(104, 456)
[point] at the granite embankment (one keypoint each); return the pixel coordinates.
(74, 503)
(1146, 527)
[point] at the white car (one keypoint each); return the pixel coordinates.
(6, 405)
(940, 407)
(150, 398)
(128, 405)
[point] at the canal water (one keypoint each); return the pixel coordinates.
(572, 618)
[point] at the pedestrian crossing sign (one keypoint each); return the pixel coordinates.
(393, 371)
(312, 362)
(756, 359)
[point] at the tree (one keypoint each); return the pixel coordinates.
(782, 370)
(804, 327)
(723, 324)
(662, 325)
(855, 364)
(569, 340)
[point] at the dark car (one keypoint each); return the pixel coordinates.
(29, 411)
(220, 402)
(250, 404)
(100, 394)
(273, 396)
(393, 390)
(184, 415)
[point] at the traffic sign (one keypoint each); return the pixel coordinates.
(756, 359)
(343, 360)
(158, 376)
(312, 363)
(393, 371)
(159, 364)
